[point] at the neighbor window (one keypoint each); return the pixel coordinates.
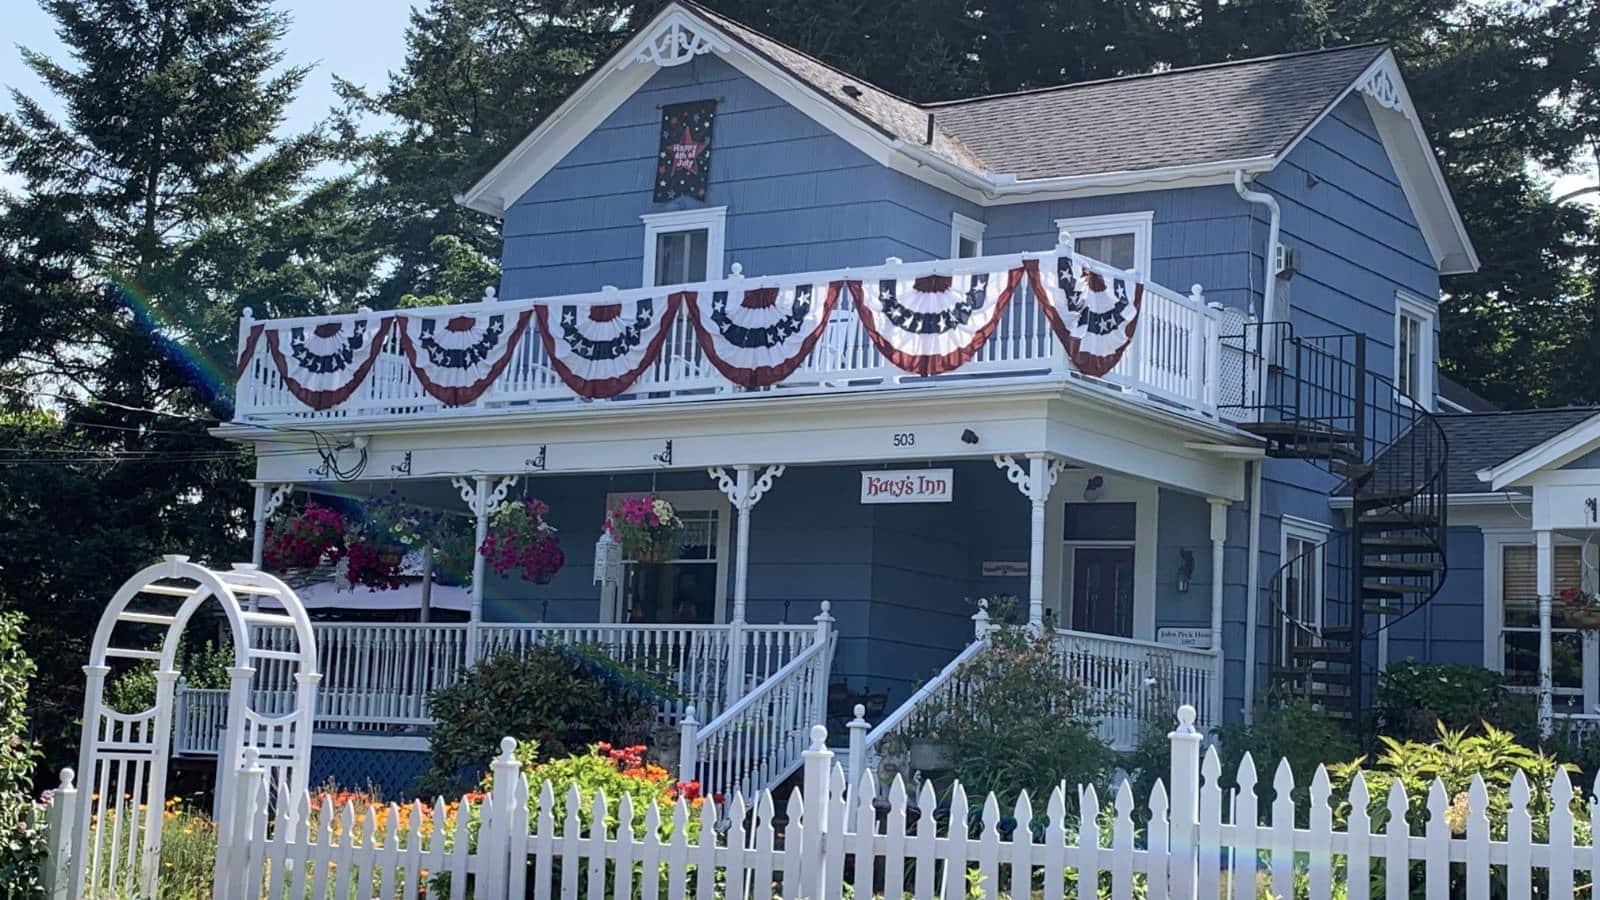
(681, 247)
(966, 236)
(1519, 595)
(1121, 240)
(1413, 349)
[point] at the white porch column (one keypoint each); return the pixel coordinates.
(744, 490)
(1544, 554)
(1035, 483)
(481, 499)
(268, 498)
(1219, 538)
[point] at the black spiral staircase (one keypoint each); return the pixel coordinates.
(1313, 398)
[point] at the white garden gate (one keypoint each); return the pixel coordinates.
(122, 761)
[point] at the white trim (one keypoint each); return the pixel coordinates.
(694, 501)
(1139, 224)
(714, 219)
(1426, 313)
(965, 227)
(1316, 534)
(1146, 498)
(368, 741)
(1553, 453)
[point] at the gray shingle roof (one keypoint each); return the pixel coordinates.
(1452, 391)
(1227, 111)
(1480, 440)
(1220, 112)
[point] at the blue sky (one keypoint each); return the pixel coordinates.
(358, 40)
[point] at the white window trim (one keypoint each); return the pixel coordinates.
(1495, 540)
(694, 501)
(713, 219)
(1146, 498)
(1140, 223)
(1427, 313)
(965, 227)
(1317, 533)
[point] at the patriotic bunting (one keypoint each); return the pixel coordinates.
(251, 339)
(1091, 313)
(323, 365)
(936, 323)
(599, 351)
(456, 358)
(761, 337)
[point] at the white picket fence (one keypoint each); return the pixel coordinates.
(1199, 841)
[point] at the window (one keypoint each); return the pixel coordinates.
(685, 246)
(1413, 348)
(966, 236)
(1519, 631)
(1301, 591)
(1121, 240)
(688, 590)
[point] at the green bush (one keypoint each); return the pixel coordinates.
(561, 698)
(1018, 723)
(1413, 697)
(1293, 730)
(21, 841)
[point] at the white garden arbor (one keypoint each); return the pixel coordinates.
(122, 762)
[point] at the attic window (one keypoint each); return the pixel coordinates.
(851, 91)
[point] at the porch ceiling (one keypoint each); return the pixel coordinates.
(1087, 425)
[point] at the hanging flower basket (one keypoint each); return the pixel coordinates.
(648, 529)
(306, 540)
(520, 537)
(1579, 610)
(372, 564)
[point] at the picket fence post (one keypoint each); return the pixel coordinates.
(231, 878)
(856, 762)
(818, 763)
(1185, 807)
(494, 834)
(59, 819)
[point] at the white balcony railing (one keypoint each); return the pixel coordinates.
(1178, 354)
(1129, 680)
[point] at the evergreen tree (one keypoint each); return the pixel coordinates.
(155, 207)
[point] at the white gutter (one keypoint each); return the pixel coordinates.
(1269, 291)
(1251, 589)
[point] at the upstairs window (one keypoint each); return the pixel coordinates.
(966, 236)
(1413, 348)
(1121, 240)
(683, 247)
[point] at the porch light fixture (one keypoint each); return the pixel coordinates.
(968, 436)
(1185, 569)
(1093, 487)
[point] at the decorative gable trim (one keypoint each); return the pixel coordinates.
(1553, 453)
(1379, 84)
(674, 40)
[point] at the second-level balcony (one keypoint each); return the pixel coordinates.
(1031, 316)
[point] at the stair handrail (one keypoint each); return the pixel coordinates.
(771, 721)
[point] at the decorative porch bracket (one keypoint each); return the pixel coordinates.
(744, 490)
(1035, 482)
(269, 497)
(481, 498)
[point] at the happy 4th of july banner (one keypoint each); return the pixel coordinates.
(683, 165)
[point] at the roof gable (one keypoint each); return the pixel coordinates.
(1172, 129)
(1552, 451)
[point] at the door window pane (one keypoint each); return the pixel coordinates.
(683, 591)
(966, 247)
(681, 256)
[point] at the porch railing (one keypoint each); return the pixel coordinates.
(1178, 356)
(378, 677)
(1132, 683)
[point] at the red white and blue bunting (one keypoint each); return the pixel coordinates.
(457, 357)
(936, 323)
(322, 365)
(1092, 312)
(600, 351)
(761, 337)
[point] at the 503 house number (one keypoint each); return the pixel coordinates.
(904, 439)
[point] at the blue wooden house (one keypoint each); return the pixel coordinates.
(1154, 355)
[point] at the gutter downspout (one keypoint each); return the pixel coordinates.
(1269, 291)
(1252, 589)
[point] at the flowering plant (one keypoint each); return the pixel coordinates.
(306, 539)
(615, 771)
(1581, 609)
(648, 528)
(370, 563)
(391, 519)
(521, 538)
